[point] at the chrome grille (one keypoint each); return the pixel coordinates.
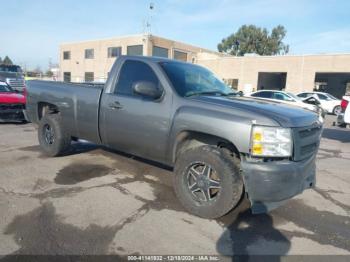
(16, 83)
(306, 141)
(308, 132)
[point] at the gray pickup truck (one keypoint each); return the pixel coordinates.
(222, 146)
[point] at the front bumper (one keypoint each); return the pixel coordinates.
(269, 184)
(12, 115)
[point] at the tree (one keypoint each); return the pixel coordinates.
(0, 61)
(37, 71)
(7, 61)
(253, 39)
(49, 73)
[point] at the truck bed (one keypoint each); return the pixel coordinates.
(78, 104)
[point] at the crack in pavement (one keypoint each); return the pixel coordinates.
(327, 196)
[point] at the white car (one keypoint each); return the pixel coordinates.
(285, 97)
(328, 102)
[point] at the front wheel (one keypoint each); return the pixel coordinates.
(337, 110)
(207, 181)
(53, 139)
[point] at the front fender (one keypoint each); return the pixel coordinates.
(232, 128)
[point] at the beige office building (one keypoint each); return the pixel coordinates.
(92, 60)
(330, 73)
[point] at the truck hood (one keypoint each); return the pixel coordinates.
(283, 114)
(12, 98)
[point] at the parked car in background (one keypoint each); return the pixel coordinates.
(179, 114)
(344, 117)
(13, 76)
(328, 102)
(289, 98)
(12, 104)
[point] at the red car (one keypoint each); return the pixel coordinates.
(12, 104)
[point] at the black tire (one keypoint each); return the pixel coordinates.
(60, 141)
(226, 168)
(336, 110)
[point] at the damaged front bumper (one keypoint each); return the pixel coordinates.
(12, 115)
(270, 184)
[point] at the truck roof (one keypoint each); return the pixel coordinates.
(152, 58)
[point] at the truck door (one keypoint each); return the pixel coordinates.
(132, 123)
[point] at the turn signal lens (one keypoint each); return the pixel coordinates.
(257, 149)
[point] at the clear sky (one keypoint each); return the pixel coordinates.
(31, 30)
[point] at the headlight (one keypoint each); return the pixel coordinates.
(271, 141)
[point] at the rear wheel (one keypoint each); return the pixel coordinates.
(337, 110)
(207, 181)
(53, 139)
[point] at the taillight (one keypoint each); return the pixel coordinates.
(344, 103)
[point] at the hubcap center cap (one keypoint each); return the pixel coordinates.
(202, 183)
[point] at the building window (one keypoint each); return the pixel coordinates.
(135, 50)
(89, 53)
(160, 51)
(66, 76)
(178, 55)
(89, 77)
(66, 55)
(114, 51)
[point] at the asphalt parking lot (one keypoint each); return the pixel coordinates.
(95, 201)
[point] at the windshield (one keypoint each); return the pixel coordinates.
(10, 68)
(4, 87)
(190, 80)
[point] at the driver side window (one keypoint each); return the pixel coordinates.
(133, 71)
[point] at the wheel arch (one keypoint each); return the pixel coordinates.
(46, 108)
(190, 139)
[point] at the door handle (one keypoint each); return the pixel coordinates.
(115, 105)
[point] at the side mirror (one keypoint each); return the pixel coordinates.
(312, 101)
(147, 89)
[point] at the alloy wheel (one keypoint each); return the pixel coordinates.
(49, 134)
(337, 110)
(203, 182)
